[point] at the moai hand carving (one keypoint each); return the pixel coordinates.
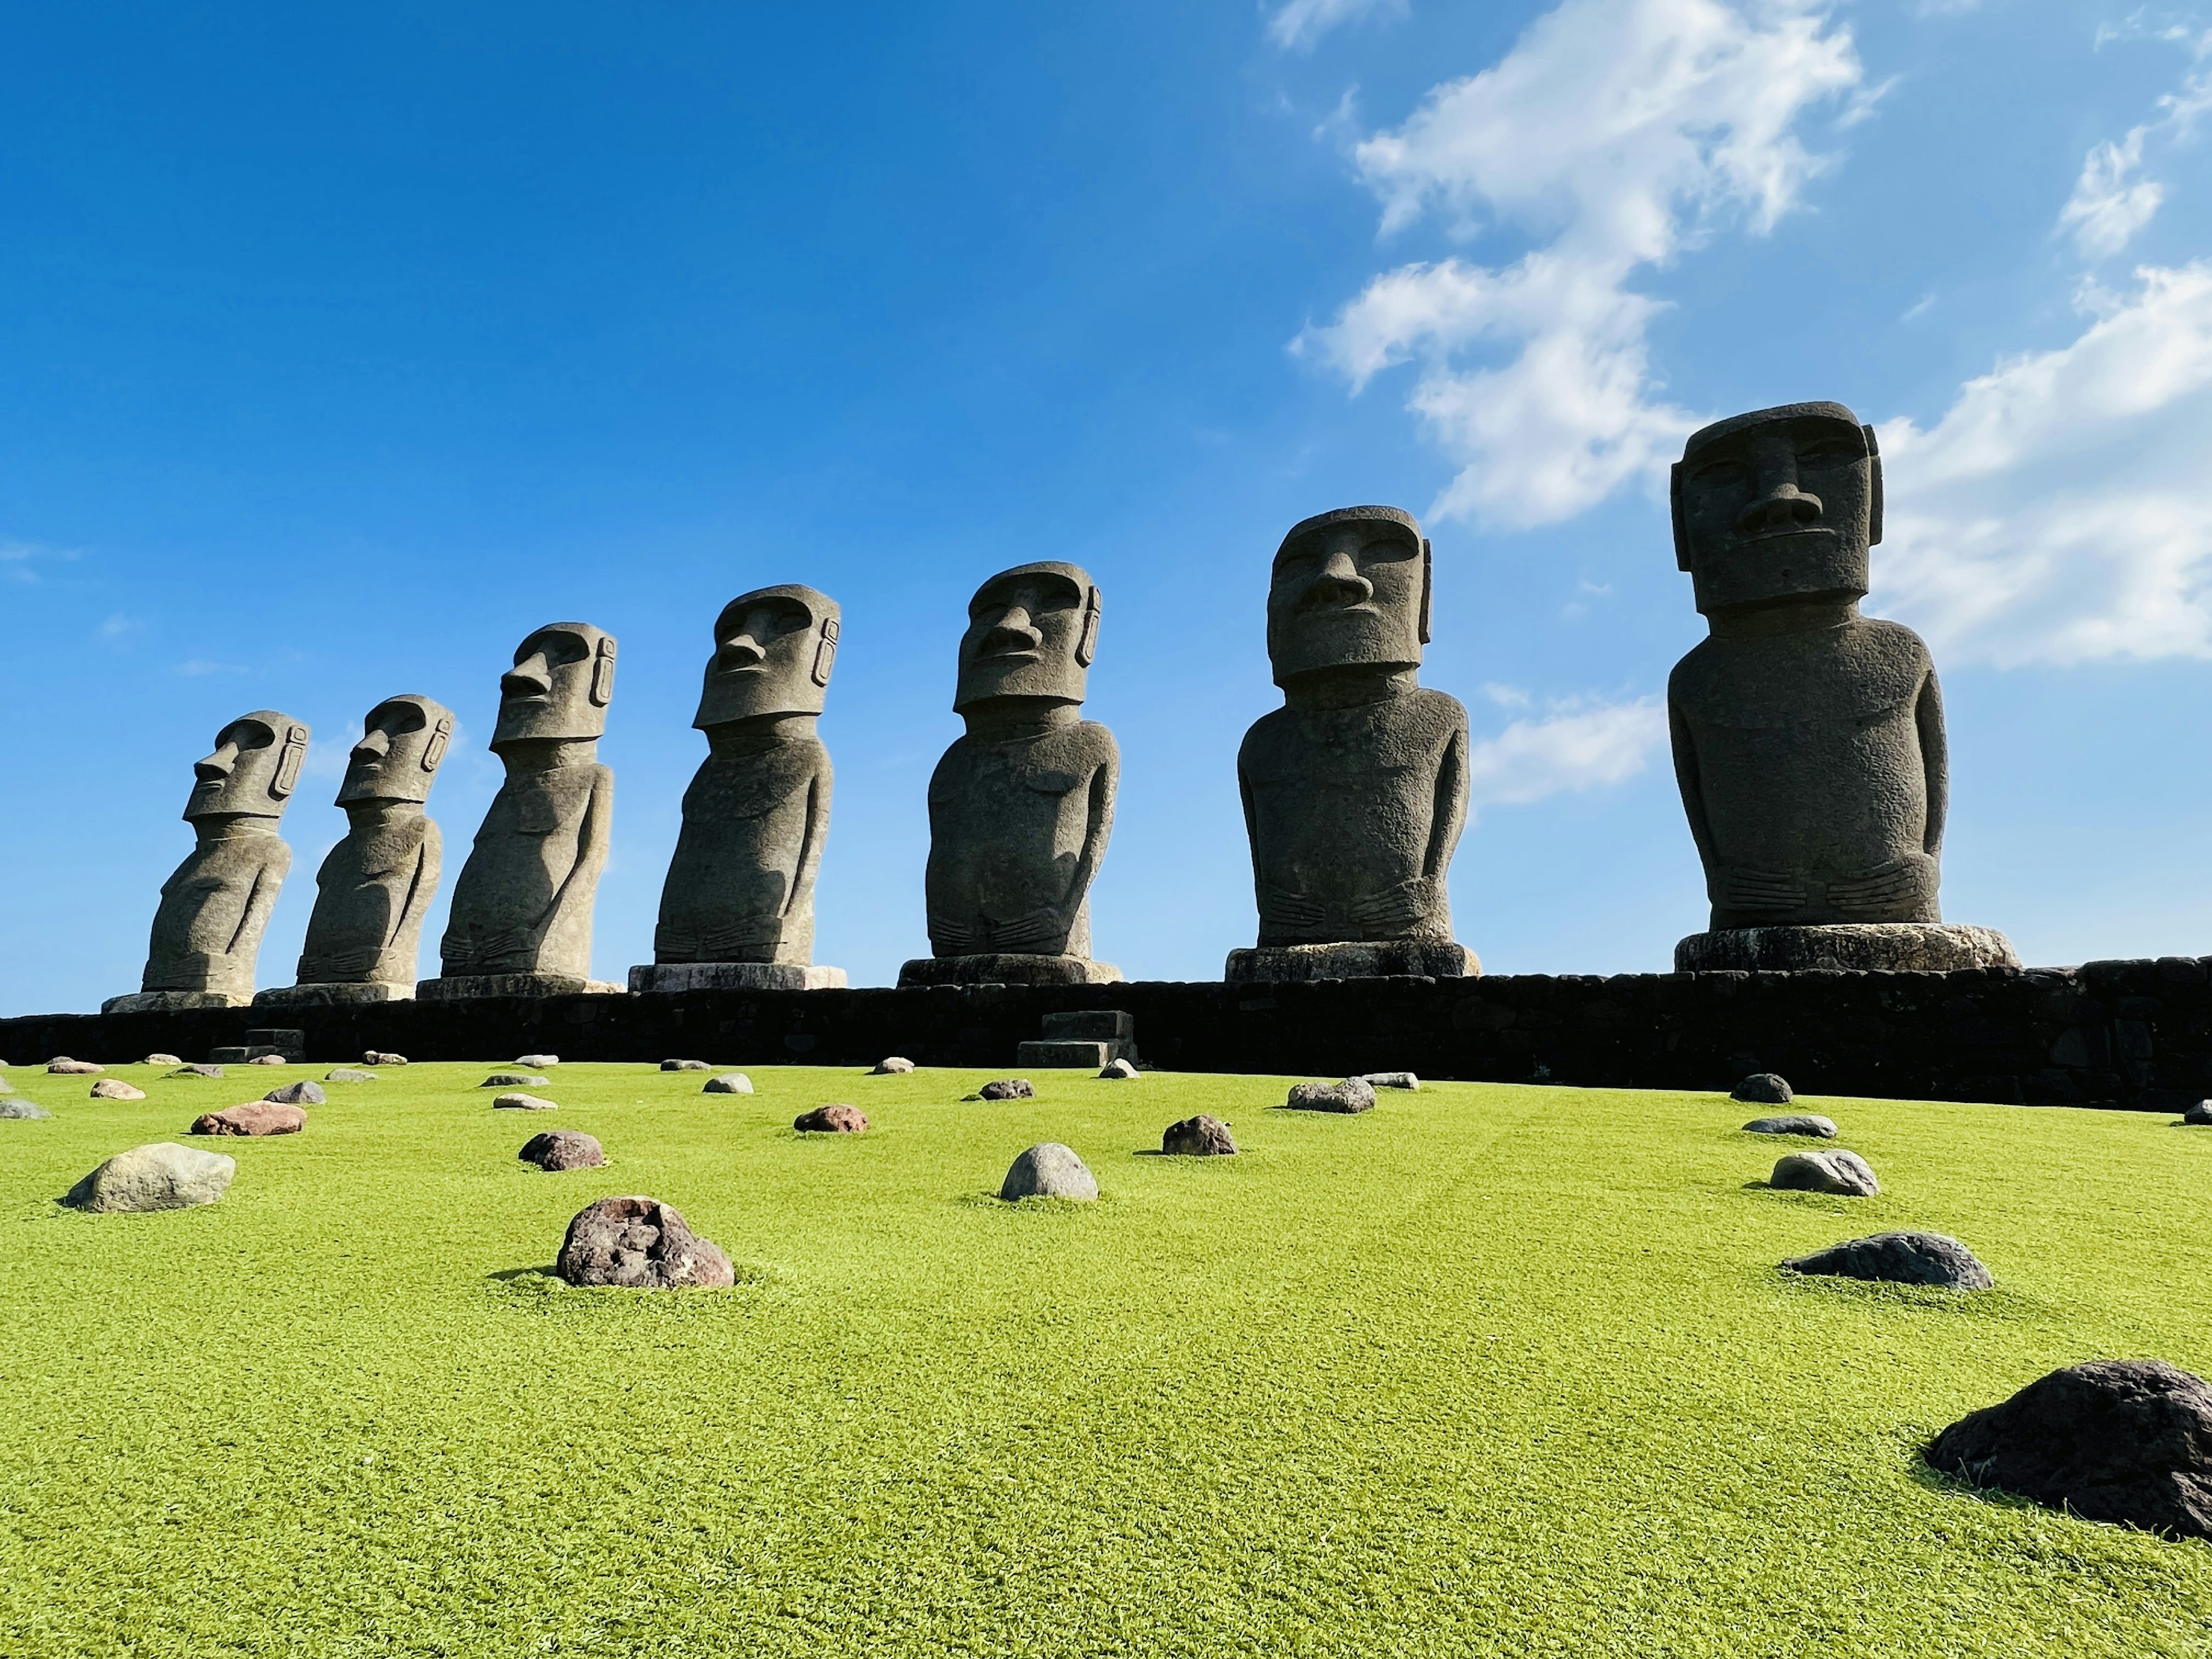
(1021, 805)
(521, 919)
(737, 911)
(375, 885)
(1355, 790)
(1808, 739)
(207, 930)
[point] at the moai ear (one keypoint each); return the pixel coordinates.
(602, 673)
(1873, 500)
(290, 762)
(1675, 507)
(825, 654)
(1086, 643)
(440, 735)
(1428, 574)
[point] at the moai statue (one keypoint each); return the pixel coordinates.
(1808, 739)
(207, 931)
(1355, 790)
(1020, 808)
(521, 919)
(736, 912)
(376, 884)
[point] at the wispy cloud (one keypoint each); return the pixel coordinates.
(1297, 25)
(1627, 132)
(19, 560)
(2109, 202)
(1576, 747)
(200, 666)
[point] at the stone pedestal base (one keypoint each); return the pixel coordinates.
(164, 1002)
(1423, 958)
(1907, 947)
(671, 976)
(1006, 969)
(464, 987)
(332, 995)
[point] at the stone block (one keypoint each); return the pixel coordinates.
(1063, 1051)
(669, 978)
(1398, 958)
(1007, 969)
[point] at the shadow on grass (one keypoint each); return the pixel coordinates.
(1928, 1478)
(1998, 1303)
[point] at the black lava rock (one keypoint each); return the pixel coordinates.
(1900, 1258)
(1763, 1089)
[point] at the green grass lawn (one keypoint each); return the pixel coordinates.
(1488, 1370)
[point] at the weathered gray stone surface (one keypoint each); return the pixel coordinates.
(513, 1080)
(740, 888)
(1011, 1088)
(475, 987)
(1932, 1259)
(1091, 1038)
(534, 1062)
(516, 1100)
(678, 1066)
(2126, 1441)
(892, 1065)
(671, 978)
(207, 930)
(1048, 1171)
(1920, 947)
(640, 1244)
(563, 1149)
(1198, 1137)
(1352, 1094)
(1063, 1052)
(258, 1117)
(1763, 1089)
(1355, 790)
(1021, 806)
(373, 1057)
(63, 1066)
(161, 1059)
(1391, 1080)
(523, 903)
(271, 1045)
(1794, 1123)
(1808, 740)
(2200, 1114)
(835, 1119)
(348, 1074)
(114, 1088)
(161, 1177)
(1118, 1071)
(267, 1059)
(302, 1093)
(1844, 1174)
(1292, 965)
(198, 1071)
(6, 1087)
(21, 1109)
(729, 1083)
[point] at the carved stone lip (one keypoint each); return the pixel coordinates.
(1026, 653)
(1765, 539)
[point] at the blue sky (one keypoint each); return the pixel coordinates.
(344, 345)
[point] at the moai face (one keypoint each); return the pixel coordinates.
(403, 739)
(562, 679)
(254, 770)
(1350, 590)
(1777, 506)
(1031, 632)
(773, 649)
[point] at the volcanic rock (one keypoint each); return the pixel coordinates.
(199, 1070)
(1840, 1172)
(114, 1088)
(1352, 1094)
(680, 1065)
(302, 1093)
(891, 1066)
(1794, 1123)
(267, 1059)
(1762, 1089)
(21, 1109)
(2200, 1113)
(1009, 1088)
(642, 1243)
(161, 1059)
(563, 1149)
(533, 1061)
(63, 1066)
(347, 1074)
(729, 1083)
(1390, 1079)
(518, 1102)
(162, 1176)
(513, 1080)
(1900, 1258)
(1049, 1170)
(259, 1117)
(1198, 1137)
(1119, 1071)
(831, 1120)
(373, 1057)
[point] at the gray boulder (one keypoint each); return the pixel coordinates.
(376, 1057)
(215, 1072)
(21, 1109)
(518, 1102)
(1844, 1174)
(513, 1080)
(2200, 1114)
(892, 1065)
(1762, 1089)
(533, 1061)
(1900, 1258)
(114, 1088)
(640, 1244)
(268, 1060)
(563, 1149)
(1352, 1094)
(63, 1066)
(1048, 1171)
(1010, 1087)
(162, 1176)
(679, 1066)
(302, 1093)
(729, 1083)
(348, 1074)
(1794, 1124)
(837, 1118)
(1198, 1137)
(1390, 1079)
(161, 1059)
(1119, 1071)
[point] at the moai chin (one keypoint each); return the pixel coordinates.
(736, 912)
(1808, 739)
(1021, 806)
(521, 918)
(1355, 790)
(376, 884)
(207, 930)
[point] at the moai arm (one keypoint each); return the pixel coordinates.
(260, 901)
(1097, 828)
(1685, 746)
(801, 894)
(581, 887)
(1449, 815)
(1936, 758)
(422, 887)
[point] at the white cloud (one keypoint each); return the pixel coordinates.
(1626, 132)
(2108, 205)
(1574, 749)
(1300, 23)
(199, 667)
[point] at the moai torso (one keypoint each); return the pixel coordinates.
(741, 885)
(523, 903)
(1011, 825)
(371, 894)
(1354, 813)
(207, 930)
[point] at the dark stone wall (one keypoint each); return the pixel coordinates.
(2121, 1034)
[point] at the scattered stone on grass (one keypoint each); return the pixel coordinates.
(1843, 1173)
(302, 1093)
(1352, 1094)
(162, 1176)
(1048, 1171)
(2115, 1440)
(1007, 1088)
(1900, 1258)
(2200, 1113)
(642, 1243)
(114, 1088)
(518, 1102)
(1762, 1089)
(1198, 1137)
(202, 1071)
(729, 1083)
(348, 1074)
(161, 1059)
(63, 1066)
(891, 1066)
(1390, 1079)
(513, 1080)
(563, 1149)
(838, 1119)
(258, 1117)
(682, 1066)
(1119, 1071)
(1794, 1123)
(267, 1059)
(376, 1057)
(21, 1109)
(533, 1061)
(6, 1087)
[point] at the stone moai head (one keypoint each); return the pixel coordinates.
(254, 770)
(773, 649)
(562, 679)
(1778, 506)
(1032, 634)
(401, 741)
(1350, 590)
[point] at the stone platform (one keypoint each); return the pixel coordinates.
(1400, 958)
(1911, 947)
(665, 978)
(477, 987)
(327, 995)
(1006, 967)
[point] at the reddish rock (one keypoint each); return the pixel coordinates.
(259, 1117)
(563, 1149)
(832, 1120)
(642, 1243)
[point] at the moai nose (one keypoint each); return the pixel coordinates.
(743, 652)
(218, 766)
(374, 745)
(528, 678)
(1785, 505)
(1012, 632)
(1338, 582)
